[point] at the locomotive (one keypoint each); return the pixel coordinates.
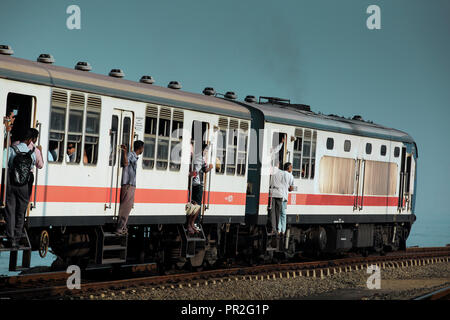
(355, 181)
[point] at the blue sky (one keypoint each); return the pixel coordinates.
(314, 52)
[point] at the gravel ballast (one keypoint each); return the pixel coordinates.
(396, 283)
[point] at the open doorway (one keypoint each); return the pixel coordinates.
(278, 149)
(20, 110)
(199, 139)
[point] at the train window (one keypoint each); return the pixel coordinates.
(114, 140)
(330, 143)
(92, 130)
(162, 151)
(347, 145)
(151, 123)
(232, 147)
(336, 175)
(57, 126)
(242, 148)
(306, 156)
(296, 164)
(221, 145)
(368, 148)
(75, 132)
(396, 152)
(383, 150)
(176, 140)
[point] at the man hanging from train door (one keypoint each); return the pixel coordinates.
(20, 161)
(128, 185)
(288, 185)
(199, 167)
(275, 186)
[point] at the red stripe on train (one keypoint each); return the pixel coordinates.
(102, 195)
(333, 200)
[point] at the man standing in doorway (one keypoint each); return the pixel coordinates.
(288, 185)
(199, 167)
(20, 161)
(128, 184)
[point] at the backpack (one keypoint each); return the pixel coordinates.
(21, 166)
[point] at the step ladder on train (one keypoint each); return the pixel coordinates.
(111, 247)
(24, 246)
(271, 240)
(191, 244)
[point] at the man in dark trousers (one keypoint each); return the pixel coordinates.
(128, 184)
(21, 160)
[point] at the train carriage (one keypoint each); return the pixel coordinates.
(355, 181)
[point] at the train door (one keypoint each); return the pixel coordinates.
(404, 192)
(358, 200)
(121, 133)
(200, 139)
(21, 113)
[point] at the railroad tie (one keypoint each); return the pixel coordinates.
(328, 272)
(321, 273)
(281, 275)
(314, 273)
(287, 275)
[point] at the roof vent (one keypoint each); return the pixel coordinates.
(83, 66)
(208, 91)
(357, 117)
(147, 79)
(230, 95)
(6, 50)
(46, 58)
(251, 99)
(116, 73)
(174, 85)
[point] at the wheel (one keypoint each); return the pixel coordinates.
(44, 241)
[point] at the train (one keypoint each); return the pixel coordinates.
(355, 181)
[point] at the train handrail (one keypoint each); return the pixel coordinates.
(37, 169)
(5, 177)
(113, 153)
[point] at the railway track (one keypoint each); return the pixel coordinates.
(440, 294)
(52, 285)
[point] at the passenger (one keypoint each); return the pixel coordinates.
(274, 152)
(21, 160)
(288, 185)
(71, 154)
(52, 154)
(276, 192)
(33, 134)
(199, 167)
(128, 184)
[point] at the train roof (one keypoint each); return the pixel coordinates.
(46, 74)
(296, 115)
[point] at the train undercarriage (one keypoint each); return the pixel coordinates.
(170, 247)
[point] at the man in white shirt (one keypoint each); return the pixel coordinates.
(287, 185)
(276, 198)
